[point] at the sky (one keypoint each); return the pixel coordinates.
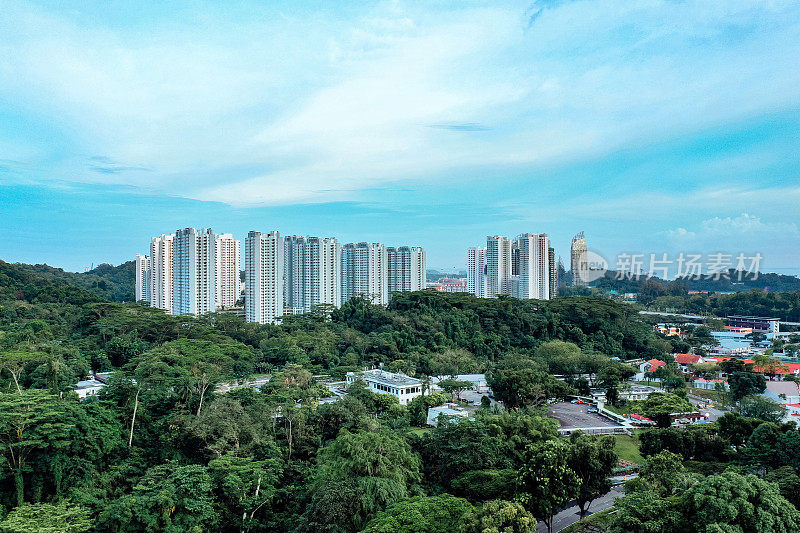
(654, 126)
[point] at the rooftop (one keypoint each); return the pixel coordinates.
(387, 378)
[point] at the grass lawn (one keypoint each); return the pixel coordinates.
(420, 431)
(627, 448)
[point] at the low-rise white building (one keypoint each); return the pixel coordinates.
(448, 410)
(785, 392)
(88, 387)
(404, 388)
(478, 381)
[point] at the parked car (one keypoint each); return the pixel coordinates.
(593, 409)
(574, 401)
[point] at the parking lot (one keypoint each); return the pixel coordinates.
(572, 415)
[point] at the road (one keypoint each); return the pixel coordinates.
(569, 516)
(573, 415)
(713, 413)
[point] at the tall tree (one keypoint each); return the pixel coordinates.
(30, 421)
(593, 460)
(546, 482)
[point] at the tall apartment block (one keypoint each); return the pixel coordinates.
(143, 275)
(161, 272)
(476, 271)
(533, 266)
(405, 269)
(312, 273)
(194, 272)
(553, 268)
(578, 259)
(264, 271)
(498, 266)
(228, 267)
(364, 272)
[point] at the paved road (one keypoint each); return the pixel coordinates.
(573, 415)
(713, 413)
(569, 516)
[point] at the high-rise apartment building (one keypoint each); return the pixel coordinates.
(228, 271)
(476, 271)
(264, 272)
(364, 272)
(534, 268)
(553, 268)
(143, 274)
(578, 259)
(194, 272)
(405, 269)
(312, 272)
(498, 266)
(161, 272)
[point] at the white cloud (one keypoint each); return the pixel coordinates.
(275, 110)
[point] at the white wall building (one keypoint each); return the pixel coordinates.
(364, 272)
(143, 275)
(228, 270)
(194, 272)
(533, 267)
(312, 273)
(405, 269)
(161, 249)
(498, 266)
(404, 388)
(476, 271)
(264, 273)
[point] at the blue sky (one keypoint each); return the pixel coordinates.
(653, 126)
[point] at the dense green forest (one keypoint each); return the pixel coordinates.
(107, 282)
(161, 449)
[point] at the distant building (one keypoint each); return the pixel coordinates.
(364, 272)
(553, 271)
(450, 411)
(782, 392)
(405, 269)
(578, 259)
(404, 388)
(194, 272)
(88, 387)
(498, 266)
(263, 258)
(533, 266)
(755, 323)
(476, 271)
(161, 252)
(143, 274)
(312, 272)
(228, 270)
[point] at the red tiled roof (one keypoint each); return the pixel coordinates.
(687, 358)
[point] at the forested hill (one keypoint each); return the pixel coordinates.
(734, 282)
(106, 282)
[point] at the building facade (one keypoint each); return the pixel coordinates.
(404, 388)
(194, 272)
(498, 266)
(312, 273)
(161, 249)
(553, 268)
(143, 274)
(405, 269)
(228, 271)
(264, 272)
(476, 271)
(364, 272)
(533, 266)
(578, 259)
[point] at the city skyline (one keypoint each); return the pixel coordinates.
(658, 128)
